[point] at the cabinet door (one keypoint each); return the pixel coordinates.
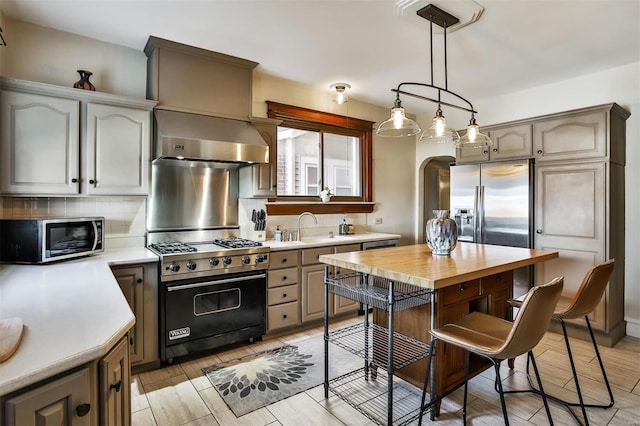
(511, 142)
(312, 292)
(115, 382)
(472, 155)
(65, 401)
(570, 218)
(131, 281)
(118, 145)
(39, 137)
(571, 137)
(450, 369)
(260, 180)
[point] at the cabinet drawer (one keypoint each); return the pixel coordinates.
(345, 248)
(460, 292)
(310, 256)
(281, 277)
(497, 282)
(283, 259)
(278, 295)
(284, 315)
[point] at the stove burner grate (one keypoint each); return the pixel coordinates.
(173, 247)
(236, 243)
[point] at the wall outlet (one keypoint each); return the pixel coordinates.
(378, 220)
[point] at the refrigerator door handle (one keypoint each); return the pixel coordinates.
(476, 212)
(481, 216)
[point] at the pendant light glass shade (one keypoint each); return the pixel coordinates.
(398, 125)
(473, 138)
(439, 132)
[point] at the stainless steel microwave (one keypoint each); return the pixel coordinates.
(50, 240)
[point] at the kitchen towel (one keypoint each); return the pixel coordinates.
(254, 381)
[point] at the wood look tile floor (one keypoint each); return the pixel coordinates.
(180, 394)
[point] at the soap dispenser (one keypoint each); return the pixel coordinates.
(277, 234)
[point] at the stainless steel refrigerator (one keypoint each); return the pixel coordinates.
(492, 203)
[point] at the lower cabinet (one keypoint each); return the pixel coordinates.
(283, 306)
(65, 401)
(115, 389)
(98, 393)
(312, 283)
(139, 286)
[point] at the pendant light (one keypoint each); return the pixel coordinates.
(473, 138)
(398, 125)
(439, 132)
(339, 92)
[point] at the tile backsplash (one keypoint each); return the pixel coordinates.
(124, 216)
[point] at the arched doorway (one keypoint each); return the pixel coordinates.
(434, 189)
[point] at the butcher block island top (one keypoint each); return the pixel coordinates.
(416, 265)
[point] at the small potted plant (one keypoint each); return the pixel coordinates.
(325, 194)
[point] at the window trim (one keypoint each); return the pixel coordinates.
(299, 117)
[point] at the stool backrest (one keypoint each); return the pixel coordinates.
(590, 291)
(532, 319)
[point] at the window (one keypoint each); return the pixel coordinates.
(316, 150)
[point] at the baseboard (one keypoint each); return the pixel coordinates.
(580, 332)
(633, 329)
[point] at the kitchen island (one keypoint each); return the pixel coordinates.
(475, 277)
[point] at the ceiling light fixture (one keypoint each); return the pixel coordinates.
(339, 92)
(438, 132)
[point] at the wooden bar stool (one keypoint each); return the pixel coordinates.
(583, 303)
(497, 339)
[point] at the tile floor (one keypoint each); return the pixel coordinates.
(181, 395)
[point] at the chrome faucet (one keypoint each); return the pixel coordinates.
(300, 216)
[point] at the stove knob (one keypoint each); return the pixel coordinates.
(174, 267)
(246, 260)
(259, 258)
(226, 260)
(191, 265)
(214, 261)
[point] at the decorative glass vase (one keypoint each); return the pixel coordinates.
(442, 233)
(84, 82)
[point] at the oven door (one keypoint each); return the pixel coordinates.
(204, 313)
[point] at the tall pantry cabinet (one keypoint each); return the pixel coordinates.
(579, 159)
(579, 206)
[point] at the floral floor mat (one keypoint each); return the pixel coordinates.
(254, 381)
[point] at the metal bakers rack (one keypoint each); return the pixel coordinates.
(390, 402)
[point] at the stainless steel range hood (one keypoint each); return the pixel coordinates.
(206, 138)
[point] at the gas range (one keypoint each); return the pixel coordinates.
(220, 255)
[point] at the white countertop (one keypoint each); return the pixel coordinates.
(320, 241)
(73, 312)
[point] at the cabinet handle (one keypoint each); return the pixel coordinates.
(485, 152)
(284, 295)
(284, 278)
(74, 180)
(498, 277)
(539, 152)
(131, 341)
(83, 409)
(284, 316)
(538, 231)
(284, 260)
(495, 149)
(116, 385)
(139, 280)
(463, 286)
(91, 181)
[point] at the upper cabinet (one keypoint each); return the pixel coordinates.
(260, 180)
(63, 141)
(571, 137)
(509, 142)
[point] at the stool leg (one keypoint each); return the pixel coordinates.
(466, 386)
(574, 372)
(501, 392)
(604, 373)
(544, 397)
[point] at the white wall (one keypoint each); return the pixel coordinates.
(620, 85)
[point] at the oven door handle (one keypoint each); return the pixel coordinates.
(208, 283)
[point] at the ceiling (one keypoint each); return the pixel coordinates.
(371, 44)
